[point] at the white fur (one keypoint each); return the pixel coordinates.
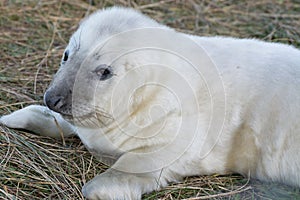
(40, 120)
(261, 130)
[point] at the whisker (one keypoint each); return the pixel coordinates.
(86, 116)
(103, 113)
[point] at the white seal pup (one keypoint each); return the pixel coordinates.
(159, 105)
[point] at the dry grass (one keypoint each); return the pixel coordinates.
(32, 38)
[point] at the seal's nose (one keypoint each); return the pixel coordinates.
(54, 101)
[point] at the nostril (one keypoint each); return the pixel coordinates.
(53, 102)
(56, 102)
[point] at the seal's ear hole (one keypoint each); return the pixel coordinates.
(66, 55)
(104, 72)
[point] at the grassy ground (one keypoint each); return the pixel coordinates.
(33, 34)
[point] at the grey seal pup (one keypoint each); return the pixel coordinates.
(159, 105)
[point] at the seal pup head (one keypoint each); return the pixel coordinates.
(86, 65)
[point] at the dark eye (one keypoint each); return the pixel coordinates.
(66, 55)
(103, 72)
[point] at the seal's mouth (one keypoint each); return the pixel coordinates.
(74, 118)
(90, 119)
(68, 117)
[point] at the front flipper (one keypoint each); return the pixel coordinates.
(40, 120)
(120, 182)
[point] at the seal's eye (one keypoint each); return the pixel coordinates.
(66, 55)
(103, 72)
